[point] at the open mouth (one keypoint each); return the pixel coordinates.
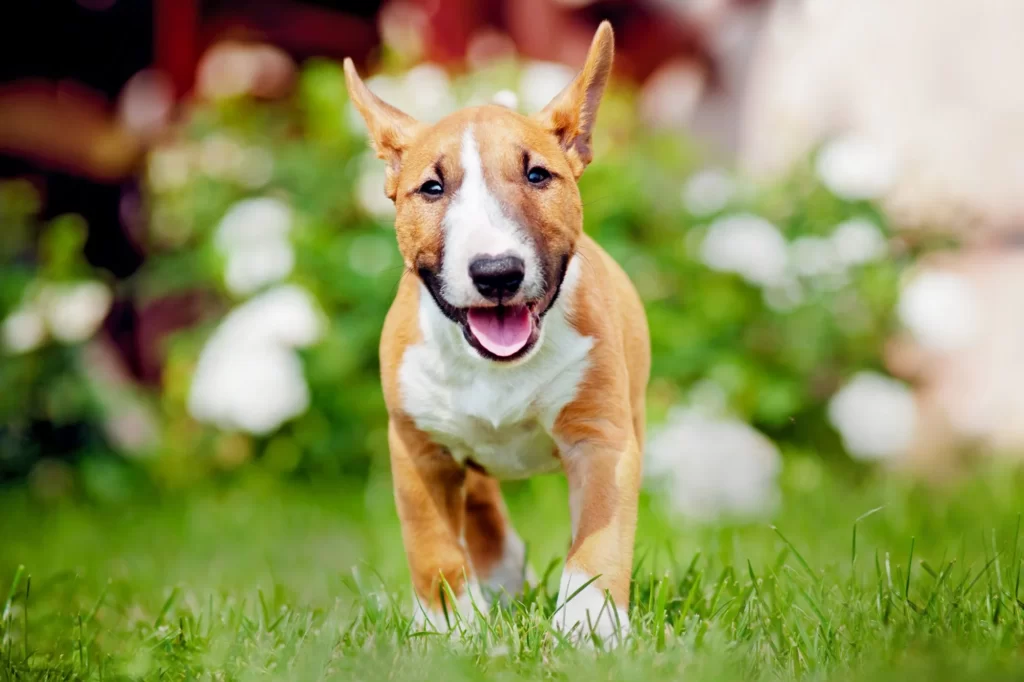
(502, 331)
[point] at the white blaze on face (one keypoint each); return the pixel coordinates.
(476, 225)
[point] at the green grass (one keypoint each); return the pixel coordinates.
(869, 580)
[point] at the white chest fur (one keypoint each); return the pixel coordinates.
(498, 415)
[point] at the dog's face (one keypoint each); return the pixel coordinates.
(488, 214)
(488, 211)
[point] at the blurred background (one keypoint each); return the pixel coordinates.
(819, 202)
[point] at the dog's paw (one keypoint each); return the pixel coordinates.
(464, 615)
(510, 574)
(588, 612)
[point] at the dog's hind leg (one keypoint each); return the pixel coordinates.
(496, 551)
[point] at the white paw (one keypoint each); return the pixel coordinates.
(509, 573)
(462, 616)
(589, 612)
(531, 576)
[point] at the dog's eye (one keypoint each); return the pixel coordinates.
(432, 188)
(538, 175)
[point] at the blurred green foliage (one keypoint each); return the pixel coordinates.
(48, 406)
(773, 362)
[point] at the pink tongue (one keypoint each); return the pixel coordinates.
(503, 331)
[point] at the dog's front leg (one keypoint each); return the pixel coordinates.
(430, 497)
(593, 597)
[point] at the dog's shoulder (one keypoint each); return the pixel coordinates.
(607, 308)
(606, 304)
(401, 330)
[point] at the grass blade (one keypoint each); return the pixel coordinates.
(28, 591)
(910, 568)
(576, 592)
(796, 552)
(11, 592)
(166, 607)
(938, 585)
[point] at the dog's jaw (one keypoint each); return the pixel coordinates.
(537, 309)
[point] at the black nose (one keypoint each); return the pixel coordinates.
(497, 277)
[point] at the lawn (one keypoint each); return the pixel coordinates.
(854, 578)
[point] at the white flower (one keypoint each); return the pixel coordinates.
(285, 315)
(541, 81)
(812, 256)
(714, 467)
(507, 99)
(747, 245)
(424, 92)
(75, 311)
(671, 94)
(940, 309)
(429, 92)
(254, 389)
(370, 191)
(875, 415)
(858, 241)
(24, 330)
(854, 168)
(248, 376)
(708, 191)
(253, 267)
(253, 236)
(69, 312)
(249, 220)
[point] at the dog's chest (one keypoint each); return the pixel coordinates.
(500, 417)
(504, 430)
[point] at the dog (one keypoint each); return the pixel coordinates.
(515, 346)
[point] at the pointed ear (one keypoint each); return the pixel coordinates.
(571, 115)
(391, 130)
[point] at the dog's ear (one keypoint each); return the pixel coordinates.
(571, 115)
(391, 130)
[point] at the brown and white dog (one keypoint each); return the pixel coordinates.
(515, 346)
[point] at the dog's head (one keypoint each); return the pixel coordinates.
(488, 211)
